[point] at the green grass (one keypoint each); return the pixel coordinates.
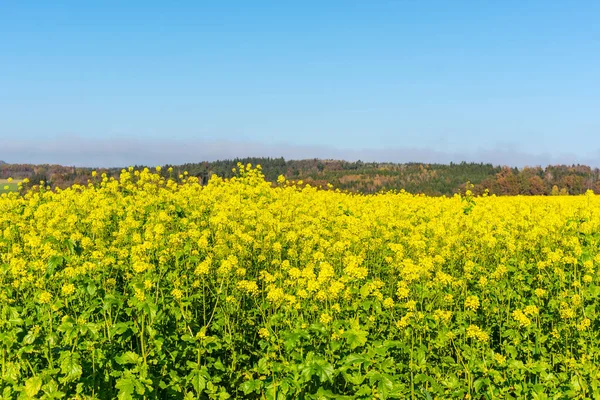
(6, 187)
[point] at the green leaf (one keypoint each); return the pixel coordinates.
(7, 394)
(198, 381)
(478, 384)
(51, 390)
(365, 290)
(12, 372)
(292, 339)
(320, 368)
(355, 337)
(251, 386)
(126, 387)
(356, 378)
(364, 390)
(128, 357)
(384, 383)
(120, 328)
(91, 289)
(33, 386)
(29, 338)
(54, 263)
(70, 366)
(355, 359)
(74, 247)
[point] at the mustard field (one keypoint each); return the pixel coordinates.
(153, 286)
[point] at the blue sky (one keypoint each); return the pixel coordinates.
(115, 82)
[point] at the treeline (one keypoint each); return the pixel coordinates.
(363, 177)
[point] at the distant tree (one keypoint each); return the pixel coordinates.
(536, 186)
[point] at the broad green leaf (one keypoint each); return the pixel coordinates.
(70, 366)
(51, 390)
(126, 387)
(251, 386)
(33, 386)
(128, 357)
(54, 263)
(355, 338)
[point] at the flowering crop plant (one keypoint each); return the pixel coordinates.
(153, 286)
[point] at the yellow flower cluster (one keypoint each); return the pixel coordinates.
(472, 303)
(521, 318)
(475, 332)
(231, 257)
(584, 324)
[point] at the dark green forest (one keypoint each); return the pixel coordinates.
(362, 177)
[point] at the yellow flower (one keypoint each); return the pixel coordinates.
(68, 289)
(203, 268)
(584, 324)
(472, 303)
(565, 311)
(442, 315)
(250, 287)
(139, 295)
(405, 320)
(531, 310)
(500, 359)
(140, 267)
(337, 335)
(45, 298)
(276, 295)
(402, 292)
(521, 318)
(325, 318)
(264, 333)
(388, 302)
(177, 293)
(475, 332)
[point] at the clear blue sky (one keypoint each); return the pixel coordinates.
(512, 81)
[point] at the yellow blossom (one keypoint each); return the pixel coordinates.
(45, 298)
(68, 289)
(325, 318)
(472, 303)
